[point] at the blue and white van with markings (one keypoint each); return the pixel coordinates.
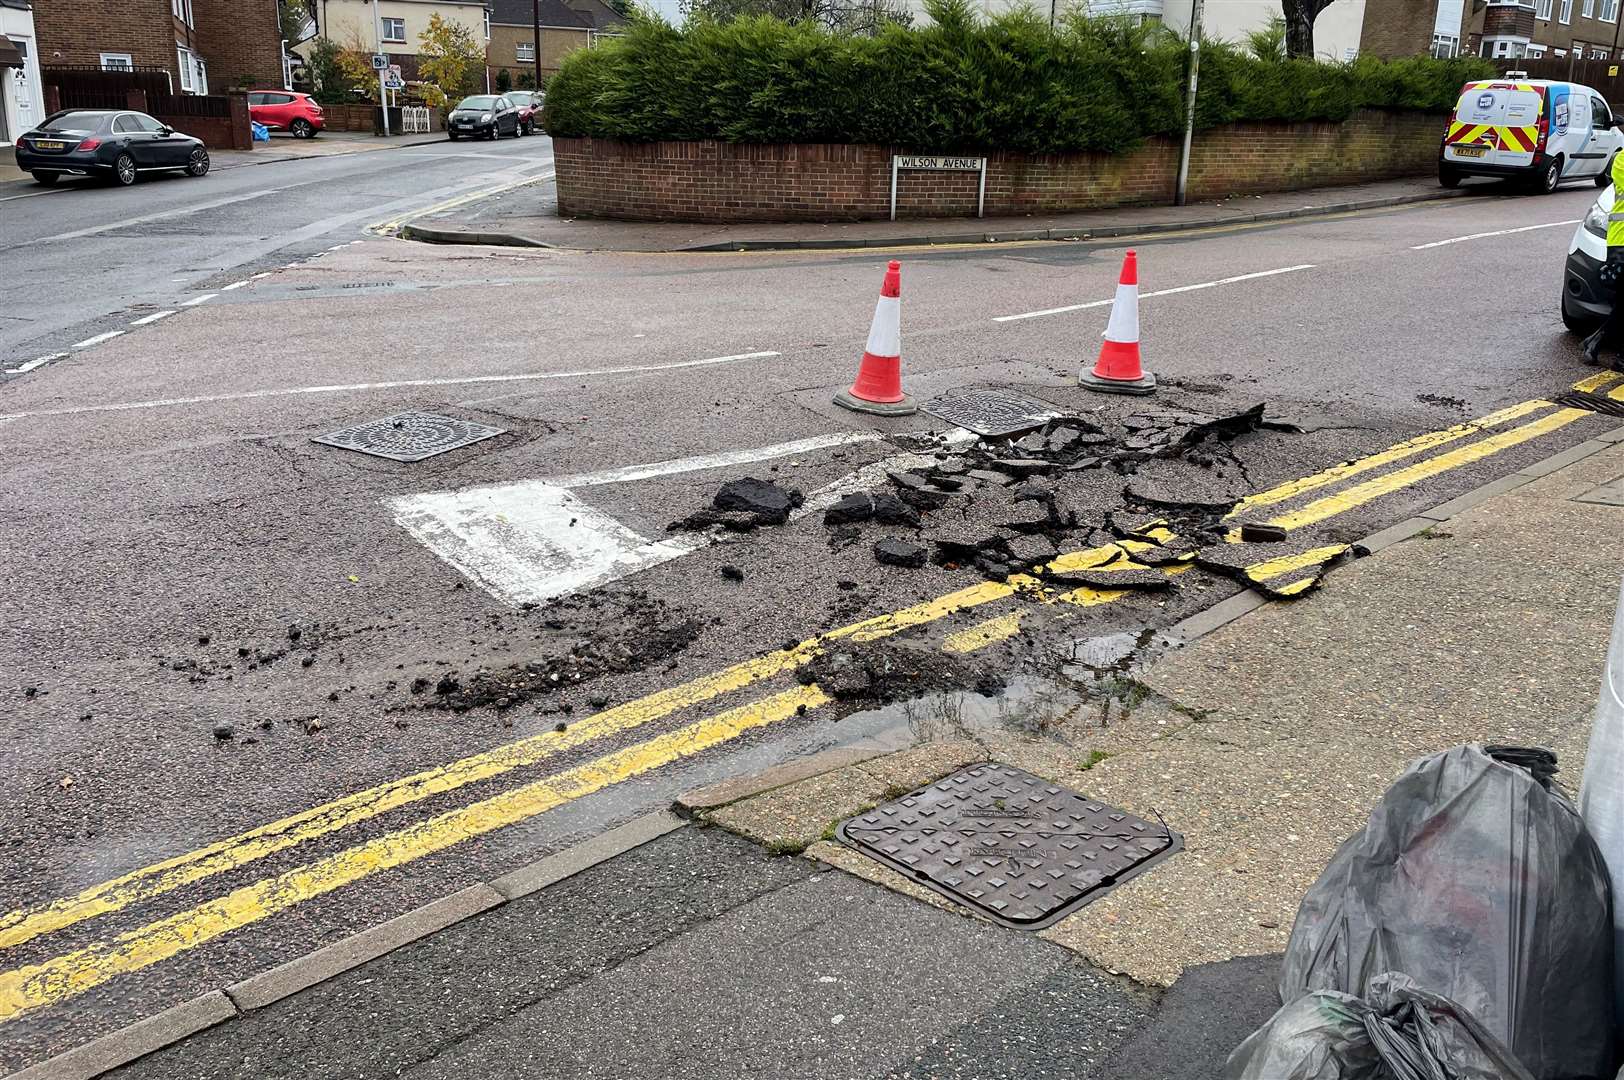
(1537, 131)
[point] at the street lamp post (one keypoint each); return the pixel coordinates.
(536, 27)
(1181, 191)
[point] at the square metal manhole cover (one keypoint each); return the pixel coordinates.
(990, 413)
(1010, 845)
(409, 436)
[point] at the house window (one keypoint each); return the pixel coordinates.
(1542, 9)
(487, 14)
(1609, 10)
(1598, 54)
(1535, 51)
(185, 57)
(182, 10)
(1445, 46)
(395, 29)
(117, 61)
(1564, 14)
(526, 51)
(1588, 9)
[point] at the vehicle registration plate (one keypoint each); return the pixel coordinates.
(1471, 151)
(42, 144)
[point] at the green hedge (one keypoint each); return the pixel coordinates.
(1011, 83)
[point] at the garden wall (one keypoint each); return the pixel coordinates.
(713, 181)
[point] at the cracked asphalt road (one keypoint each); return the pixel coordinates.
(162, 490)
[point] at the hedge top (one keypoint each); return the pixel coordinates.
(960, 84)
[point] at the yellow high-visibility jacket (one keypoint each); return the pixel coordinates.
(1615, 220)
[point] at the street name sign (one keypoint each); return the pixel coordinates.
(940, 163)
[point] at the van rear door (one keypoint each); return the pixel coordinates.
(1496, 123)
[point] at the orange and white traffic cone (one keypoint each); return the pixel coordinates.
(878, 388)
(1119, 370)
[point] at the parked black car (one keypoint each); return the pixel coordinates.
(118, 144)
(485, 115)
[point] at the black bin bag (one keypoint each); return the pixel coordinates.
(1479, 882)
(1401, 1032)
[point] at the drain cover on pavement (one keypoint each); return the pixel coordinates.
(409, 436)
(989, 412)
(1010, 845)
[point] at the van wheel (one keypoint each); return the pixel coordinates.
(1546, 180)
(1605, 177)
(1448, 177)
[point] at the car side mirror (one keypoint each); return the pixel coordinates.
(166, 130)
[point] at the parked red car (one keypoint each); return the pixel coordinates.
(284, 110)
(529, 103)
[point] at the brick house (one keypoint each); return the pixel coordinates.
(513, 40)
(203, 44)
(398, 28)
(1580, 29)
(1394, 28)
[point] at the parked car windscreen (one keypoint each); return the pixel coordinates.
(74, 121)
(477, 103)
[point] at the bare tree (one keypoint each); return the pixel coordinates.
(1300, 16)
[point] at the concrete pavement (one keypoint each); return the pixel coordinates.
(163, 490)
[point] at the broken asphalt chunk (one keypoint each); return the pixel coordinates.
(987, 476)
(858, 506)
(890, 510)
(1261, 533)
(1021, 468)
(1147, 580)
(894, 552)
(769, 502)
(731, 520)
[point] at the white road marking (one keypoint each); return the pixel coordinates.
(32, 194)
(529, 542)
(263, 273)
(872, 475)
(98, 339)
(249, 395)
(1497, 232)
(154, 317)
(724, 459)
(196, 300)
(234, 285)
(142, 220)
(1159, 292)
(38, 361)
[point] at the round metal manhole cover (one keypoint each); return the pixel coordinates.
(988, 412)
(409, 436)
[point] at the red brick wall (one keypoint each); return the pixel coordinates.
(720, 182)
(75, 32)
(240, 41)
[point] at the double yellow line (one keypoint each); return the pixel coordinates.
(35, 986)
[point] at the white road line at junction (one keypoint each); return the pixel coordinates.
(722, 460)
(234, 285)
(196, 300)
(1497, 232)
(249, 395)
(38, 361)
(154, 317)
(262, 273)
(98, 339)
(527, 541)
(1159, 292)
(143, 219)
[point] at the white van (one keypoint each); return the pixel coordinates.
(1542, 132)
